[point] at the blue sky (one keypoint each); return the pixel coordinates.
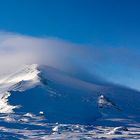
(98, 22)
(100, 36)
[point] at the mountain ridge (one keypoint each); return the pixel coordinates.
(63, 98)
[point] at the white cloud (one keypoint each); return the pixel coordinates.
(115, 64)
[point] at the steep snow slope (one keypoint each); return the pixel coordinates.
(25, 78)
(26, 74)
(64, 98)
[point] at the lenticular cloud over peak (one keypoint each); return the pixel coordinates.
(29, 50)
(84, 61)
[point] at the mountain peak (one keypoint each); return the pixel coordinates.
(21, 80)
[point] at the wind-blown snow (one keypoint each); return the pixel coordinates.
(25, 74)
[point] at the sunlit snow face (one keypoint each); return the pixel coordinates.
(25, 74)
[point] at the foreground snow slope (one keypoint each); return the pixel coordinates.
(66, 99)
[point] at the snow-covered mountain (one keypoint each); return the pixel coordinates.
(63, 98)
(41, 97)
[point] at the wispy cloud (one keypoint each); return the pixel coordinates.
(119, 65)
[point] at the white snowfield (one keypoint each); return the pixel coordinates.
(46, 98)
